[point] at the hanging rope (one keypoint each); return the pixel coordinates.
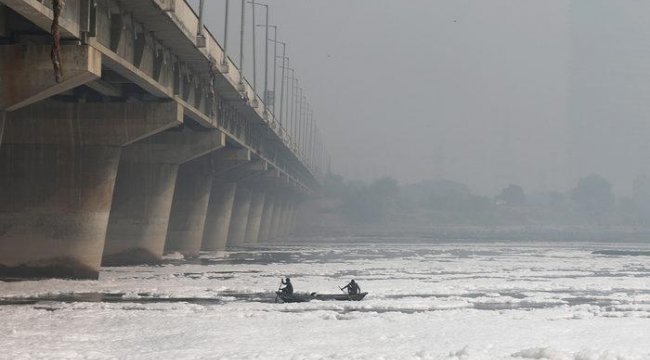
(55, 54)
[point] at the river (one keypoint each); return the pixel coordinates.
(505, 300)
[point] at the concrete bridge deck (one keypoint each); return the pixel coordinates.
(152, 141)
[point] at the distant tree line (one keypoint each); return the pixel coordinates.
(590, 201)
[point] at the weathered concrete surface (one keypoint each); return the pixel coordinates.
(190, 207)
(267, 215)
(27, 75)
(3, 116)
(239, 220)
(144, 191)
(255, 217)
(278, 211)
(58, 164)
(285, 220)
(217, 222)
(3, 20)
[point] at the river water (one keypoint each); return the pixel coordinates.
(426, 301)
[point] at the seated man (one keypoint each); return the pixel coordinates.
(288, 288)
(353, 288)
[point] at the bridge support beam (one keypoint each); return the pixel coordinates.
(227, 165)
(239, 220)
(286, 220)
(247, 181)
(267, 215)
(217, 223)
(27, 75)
(194, 185)
(278, 211)
(3, 116)
(144, 191)
(255, 216)
(58, 164)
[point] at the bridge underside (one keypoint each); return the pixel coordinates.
(144, 147)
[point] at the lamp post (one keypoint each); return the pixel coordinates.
(200, 36)
(266, 50)
(254, 57)
(225, 35)
(241, 42)
(275, 58)
(283, 119)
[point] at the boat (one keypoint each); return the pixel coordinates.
(304, 297)
(281, 297)
(341, 297)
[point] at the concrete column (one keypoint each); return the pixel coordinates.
(294, 215)
(217, 222)
(144, 191)
(286, 226)
(255, 217)
(285, 219)
(3, 115)
(239, 220)
(267, 215)
(58, 165)
(278, 210)
(189, 207)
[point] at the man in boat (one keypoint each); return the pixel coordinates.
(288, 288)
(353, 288)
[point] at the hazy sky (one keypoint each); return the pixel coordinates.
(484, 92)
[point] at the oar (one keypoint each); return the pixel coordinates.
(343, 291)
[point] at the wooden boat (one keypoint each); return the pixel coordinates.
(293, 298)
(304, 297)
(341, 297)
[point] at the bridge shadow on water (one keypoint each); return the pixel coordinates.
(46, 301)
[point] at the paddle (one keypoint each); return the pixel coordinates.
(345, 292)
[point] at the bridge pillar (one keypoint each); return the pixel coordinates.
(255, 216)
(217, 223)
(144, 191)
(278, 211)
(190, 207)
(293, 219)
(267, 215)
(225, 164)
(286, 219)
(239, 220)
(3, 116)
(58, 164)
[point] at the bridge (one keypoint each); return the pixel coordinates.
(126, 131)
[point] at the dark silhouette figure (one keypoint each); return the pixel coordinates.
(353, 288)
(288, 288)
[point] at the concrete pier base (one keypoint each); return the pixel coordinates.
(267, 215)
(141, 205)
(278, 210)
(239, 220)
(217, 221)
(255, 217)
(58, 165)
(3, 116)
(189, 207)
(286, 220)
(144, 191)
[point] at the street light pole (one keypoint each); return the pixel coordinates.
(254, 46)
(241, 42)
(266, 58)
(282, 119)
(225, 35)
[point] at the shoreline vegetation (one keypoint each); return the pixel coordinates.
(444, 210)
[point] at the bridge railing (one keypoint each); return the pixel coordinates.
(189, 20)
